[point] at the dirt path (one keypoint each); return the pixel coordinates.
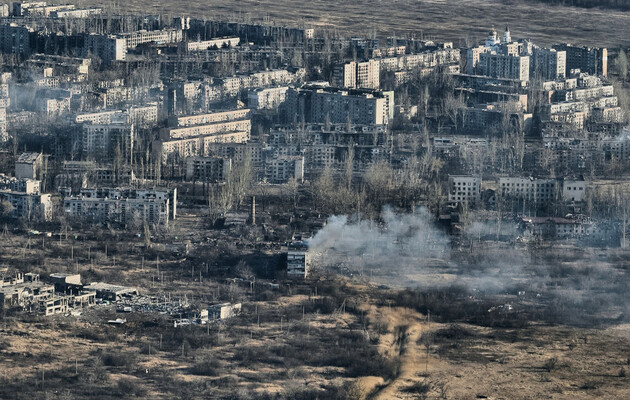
(402, 341)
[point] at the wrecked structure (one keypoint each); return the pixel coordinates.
(298, 259)
(62, 293)
(123, 205)
(109, 292)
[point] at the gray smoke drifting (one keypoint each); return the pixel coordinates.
(367, 247)
(369, 244)
(409, 250)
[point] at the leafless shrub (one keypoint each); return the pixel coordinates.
(551, 364)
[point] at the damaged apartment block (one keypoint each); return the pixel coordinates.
(298, 259)
(60, 295)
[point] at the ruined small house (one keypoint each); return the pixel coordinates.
(220, 311)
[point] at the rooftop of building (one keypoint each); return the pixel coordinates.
(28, 158)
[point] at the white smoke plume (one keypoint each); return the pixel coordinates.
(409, 250)
(400, 240)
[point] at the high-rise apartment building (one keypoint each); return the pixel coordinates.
(504, 66)
(358, 75)
(548, 63)
(591, 60)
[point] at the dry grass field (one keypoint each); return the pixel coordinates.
(330, 337)
(312, 357)
(440, 19)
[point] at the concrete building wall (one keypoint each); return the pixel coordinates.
(464, 189)
(504, 66)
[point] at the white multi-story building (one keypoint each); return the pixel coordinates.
(425, 61)
(298, 260)
(557, 228)
(137, 115)
(242, 125)
(358, 75)
(100, 117)
(464, 189)
(209, 118)
(107, 47)
(124, 206)
(208, 169)
(543, 190)
(25, 198)
(278, 77)
(23, 185)
(20, 8)
(52, 107)
(212, 43)
(267, 98)
(548, 63)
(504, 66)
(284, 168)
(103, 141)
(133, 39)
(79, 13)
(4, 136)
(197, 145)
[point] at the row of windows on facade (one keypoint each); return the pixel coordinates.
(529, 184)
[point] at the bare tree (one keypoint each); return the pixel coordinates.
(349, 165)
(621, 63)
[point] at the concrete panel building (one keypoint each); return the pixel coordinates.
(203, 45)
(4, 135)
(208, 169)
(543, 190)
(548, 63)
(103, 141)
(333, 105)
(267, 98)
(285, 168)
(15, 39)
(28, 206)
(180, 149)
(208, 118)
(591, 60)
(106, 47)
(464, 189)
(122, 206)
(504, 66)
(29, 166)
(357, 75)
(165, 36)
(298, 260)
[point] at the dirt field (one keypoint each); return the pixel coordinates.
(316, 338)
(466, 362)
(462, 362)
(440, 19)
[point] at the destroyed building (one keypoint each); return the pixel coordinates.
(109, 292)
(62, 293)
(298, 260)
